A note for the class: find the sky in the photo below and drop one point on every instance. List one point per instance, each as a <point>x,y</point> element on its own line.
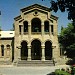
<point>11,8</point>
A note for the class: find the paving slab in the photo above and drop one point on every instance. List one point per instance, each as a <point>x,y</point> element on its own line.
<point>32,70</point>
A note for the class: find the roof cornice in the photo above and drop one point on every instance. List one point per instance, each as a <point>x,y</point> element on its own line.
<point>35,6</point>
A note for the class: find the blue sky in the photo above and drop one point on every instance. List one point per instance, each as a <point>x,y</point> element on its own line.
<point>11,8</point>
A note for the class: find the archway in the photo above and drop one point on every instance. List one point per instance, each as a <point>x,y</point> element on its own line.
<point>48,50</point>
<point>36,50</point>
<point>36,25</point>
<point>24,50</point>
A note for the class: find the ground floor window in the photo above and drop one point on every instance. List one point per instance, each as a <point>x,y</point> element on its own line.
<point>2,50</point>
<point>36,50</point>
<point>48,50</point>
<point>24,50</point>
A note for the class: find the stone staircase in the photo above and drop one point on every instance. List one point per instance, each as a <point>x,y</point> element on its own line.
<point>35,63</point>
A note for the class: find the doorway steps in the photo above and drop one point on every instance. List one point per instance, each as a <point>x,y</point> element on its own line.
<point>35,63</point>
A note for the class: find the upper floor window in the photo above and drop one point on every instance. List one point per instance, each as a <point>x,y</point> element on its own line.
<point>20,29</point>
<point>36,25</point>
<point>2,50</point>
<point>25,26</point>
<point>8,46</point>
<point>46,26</point>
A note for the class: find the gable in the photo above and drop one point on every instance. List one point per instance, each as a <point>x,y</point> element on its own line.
<point>31,10</point>
<point>35,6</point>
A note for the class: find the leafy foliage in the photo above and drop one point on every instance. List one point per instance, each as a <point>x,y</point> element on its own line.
<point>64,5</point>
<point>67,40</point>
<point>68,5</point>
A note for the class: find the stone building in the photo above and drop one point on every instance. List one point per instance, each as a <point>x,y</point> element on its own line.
<point>34,37</point>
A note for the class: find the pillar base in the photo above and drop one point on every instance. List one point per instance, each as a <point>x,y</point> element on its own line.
<point>19,58</point>
<point>29,59</point>
<point>43,58</point>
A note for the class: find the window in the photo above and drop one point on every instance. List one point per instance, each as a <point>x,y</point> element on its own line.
<point>35,12</point>
<point>46,26</point>
<point>20,29</point>
<point>25,26</point>
<point>36,25</point>
<point>2,50</point>
<point>52,29</point>
<point>8,46</point>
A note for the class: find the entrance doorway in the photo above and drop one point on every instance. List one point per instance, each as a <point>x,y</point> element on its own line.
<point>24,50</point>
<point>48,50</point>
<point>36,50</point>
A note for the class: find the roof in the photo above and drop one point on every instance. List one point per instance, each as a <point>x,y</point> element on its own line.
<point>7,34</point>
<point>35,6</point>
<point>54,17</point>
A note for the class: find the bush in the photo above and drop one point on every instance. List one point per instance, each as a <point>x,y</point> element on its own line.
<point>61,72</point>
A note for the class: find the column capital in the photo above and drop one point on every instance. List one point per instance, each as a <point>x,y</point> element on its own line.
<point>42,23</point>
<point>19,47</point>
<point>42,46</point>
<point>51,24</point>
<point>53,47</point>
<point>29,46</point>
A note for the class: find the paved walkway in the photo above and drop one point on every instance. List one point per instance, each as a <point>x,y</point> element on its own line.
<point>13,70</point>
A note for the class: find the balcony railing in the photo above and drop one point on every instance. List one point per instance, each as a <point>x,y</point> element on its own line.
<point>35,33</point>
<point>25,33</point>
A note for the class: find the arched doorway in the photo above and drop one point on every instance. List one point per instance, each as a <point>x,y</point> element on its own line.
<point>36,50</point>
<point>36,25</point>
<point>24,50</point>
<point>48,50</point>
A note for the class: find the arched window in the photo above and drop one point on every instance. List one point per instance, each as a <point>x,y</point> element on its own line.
<point>8,46</point>
<point>48,50</point>
<point>24,50</point>
<point>36,25</point>
<point>46,26</point>
<point>2,50</point>
<point>25,26</point>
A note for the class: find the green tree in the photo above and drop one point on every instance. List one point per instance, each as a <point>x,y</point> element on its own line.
<point>67,40</point>
<point>64,5</point>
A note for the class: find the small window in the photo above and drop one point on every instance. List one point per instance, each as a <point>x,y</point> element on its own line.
<point>46,26</point>
<point>25,26</point>
<point>20,29</point>
<point>8,46</point>
<point>52,29</point>
<point>2,50</point>
<point>35,12</point>
<point>11,33</point>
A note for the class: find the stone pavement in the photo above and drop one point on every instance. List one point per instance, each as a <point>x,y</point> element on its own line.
<point>32,70</point>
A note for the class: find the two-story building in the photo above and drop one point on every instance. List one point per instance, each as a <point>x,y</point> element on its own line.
<point>34,38</point>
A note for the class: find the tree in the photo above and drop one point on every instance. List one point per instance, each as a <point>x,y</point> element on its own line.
<point>65,5</point>
<point>67,40</point>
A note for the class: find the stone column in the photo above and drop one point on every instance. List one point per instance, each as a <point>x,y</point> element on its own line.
<point>42,29</point>
<point>29,30</point>
<point>43,53</point>
<point>54,55</point>
<point>19,52</point>
<point>29,53</point>
<point>0,51</point>
<point>10,53</point>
